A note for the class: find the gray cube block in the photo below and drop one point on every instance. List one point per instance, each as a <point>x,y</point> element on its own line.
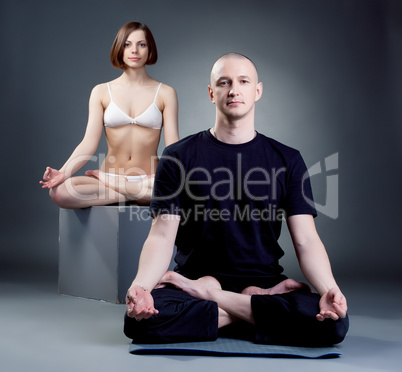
<point>99,249</point>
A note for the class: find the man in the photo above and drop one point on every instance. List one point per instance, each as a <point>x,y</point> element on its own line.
<point>220,196</point>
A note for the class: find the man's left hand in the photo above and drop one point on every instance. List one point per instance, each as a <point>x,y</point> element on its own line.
<point>332,305</point>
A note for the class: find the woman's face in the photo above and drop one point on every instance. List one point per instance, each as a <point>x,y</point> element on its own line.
<point>136,51</point>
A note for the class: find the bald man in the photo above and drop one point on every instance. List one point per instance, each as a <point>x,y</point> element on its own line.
<point>221,196</point>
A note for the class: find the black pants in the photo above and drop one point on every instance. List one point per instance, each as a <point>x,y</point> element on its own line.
<point>286,319</point>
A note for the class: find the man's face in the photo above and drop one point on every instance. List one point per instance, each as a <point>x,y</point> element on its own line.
<point>234,87</point>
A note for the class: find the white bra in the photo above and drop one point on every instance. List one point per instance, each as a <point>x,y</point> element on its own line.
<point>114,116</point>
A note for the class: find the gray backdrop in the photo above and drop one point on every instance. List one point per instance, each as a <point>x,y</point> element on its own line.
<point>332,85</point>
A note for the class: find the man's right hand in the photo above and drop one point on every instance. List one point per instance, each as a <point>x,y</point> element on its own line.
<point>139,303</point>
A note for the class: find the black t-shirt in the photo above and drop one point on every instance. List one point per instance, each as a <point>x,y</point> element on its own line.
<point>232,200</point>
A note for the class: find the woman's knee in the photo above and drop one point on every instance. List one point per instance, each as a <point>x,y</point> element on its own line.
<point>76,192</point>
<point>57,196</point>
<point>61,197</point>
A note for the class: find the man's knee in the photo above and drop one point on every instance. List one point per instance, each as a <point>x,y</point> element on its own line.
<point>181,318</point>
<point>291,319</point>
<point>339,330</point>
<point>130,326</point>
<point>140,331</point>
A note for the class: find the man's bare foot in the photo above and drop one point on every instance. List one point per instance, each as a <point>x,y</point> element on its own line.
<point>196,288</point>
<point>288,285</point>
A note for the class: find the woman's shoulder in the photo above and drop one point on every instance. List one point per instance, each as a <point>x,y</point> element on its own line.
<point>99,93</point>
<point>103,87</point>
<point>163,85</point>
<point>100,88</point>
<point>166,91</point>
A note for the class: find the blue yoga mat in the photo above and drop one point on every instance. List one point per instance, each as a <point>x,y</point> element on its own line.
<point>233,347</point>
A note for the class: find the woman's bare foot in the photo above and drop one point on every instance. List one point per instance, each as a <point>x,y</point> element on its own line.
<point>196,288</point>
<point>288,285</point>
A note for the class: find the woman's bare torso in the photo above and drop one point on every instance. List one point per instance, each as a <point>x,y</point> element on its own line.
<point>132,148</point>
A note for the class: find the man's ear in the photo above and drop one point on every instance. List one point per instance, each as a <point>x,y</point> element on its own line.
<point>258,92</point>
<point>211,94</point>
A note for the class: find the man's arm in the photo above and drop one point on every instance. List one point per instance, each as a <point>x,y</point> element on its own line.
<point>154,261</point>
<point>315,265</point>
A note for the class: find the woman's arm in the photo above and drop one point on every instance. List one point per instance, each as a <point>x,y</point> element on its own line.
<point>170,114</point>
<point>87,146</point>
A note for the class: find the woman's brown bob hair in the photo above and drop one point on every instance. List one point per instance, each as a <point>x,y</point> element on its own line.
<point>116,54</point>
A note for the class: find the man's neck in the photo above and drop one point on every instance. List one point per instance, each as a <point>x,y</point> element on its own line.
<point>234,132</point>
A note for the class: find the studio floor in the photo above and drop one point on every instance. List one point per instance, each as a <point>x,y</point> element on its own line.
<point>41,330</point>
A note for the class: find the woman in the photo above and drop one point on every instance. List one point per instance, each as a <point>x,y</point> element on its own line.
<point>131,109</point>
